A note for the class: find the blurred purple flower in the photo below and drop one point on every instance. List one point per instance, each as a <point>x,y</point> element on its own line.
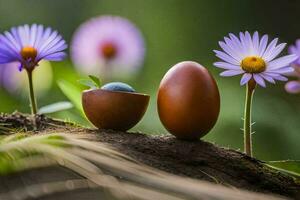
<point>30,44</point>
<point>6,81</point>
<point>107,46</point>
<point>295,49</point>
<point>16,84</point>
<point>294,86</point>
<point>254,58</point>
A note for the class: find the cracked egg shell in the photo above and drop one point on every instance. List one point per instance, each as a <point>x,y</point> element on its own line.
<point>115,110</point>
<point>188,101</point>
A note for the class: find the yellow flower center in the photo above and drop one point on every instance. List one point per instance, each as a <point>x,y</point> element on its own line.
<point>28,53</point>
<point>253,64</point>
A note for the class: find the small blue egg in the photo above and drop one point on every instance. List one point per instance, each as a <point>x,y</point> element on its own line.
<point>118,86</point>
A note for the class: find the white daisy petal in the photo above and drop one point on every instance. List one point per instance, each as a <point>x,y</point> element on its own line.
<point>234,47</point>
<point>272,74</point>
<point>225,65</point>
<point>263,45</point>
<point>226,57</point>
<point>229,51</point>
<point>284,70</point>
<point>23,32</point>
<point>39,34</point>
<point>237,43</point>
<point>249,43</point>
<point>231,72</point>
<point>259,80</point>
<point>247,37</point>
<point>244,43</point>
<point>270,48</point>
<point>280,78</point>
<point>276,76</point>
<point>281,62</point>
<point>32,37</point>
<point>268,78</point>
<point>255,42</point>
<point>13,41</point>
<point>278,49</point>
<point>245,78</point>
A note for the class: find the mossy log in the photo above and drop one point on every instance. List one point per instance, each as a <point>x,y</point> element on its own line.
<point>198,160</point>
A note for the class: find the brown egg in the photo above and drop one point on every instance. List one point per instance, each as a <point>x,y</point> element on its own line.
<point>188,101</point>
<point>114,109</point>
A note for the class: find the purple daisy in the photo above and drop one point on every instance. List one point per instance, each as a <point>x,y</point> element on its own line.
<point>254,58</point>
<point>28,45</point>
<point>108,46</point>
<point>294,86</point>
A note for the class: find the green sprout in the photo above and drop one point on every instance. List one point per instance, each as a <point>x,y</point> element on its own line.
<point>93,82</point>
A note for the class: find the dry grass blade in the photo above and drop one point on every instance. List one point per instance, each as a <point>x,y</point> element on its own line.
<point>100,164</point>
<point>101,149</point>
<point>32,162</point>
<point>169,184</point>
<point>67,159</point>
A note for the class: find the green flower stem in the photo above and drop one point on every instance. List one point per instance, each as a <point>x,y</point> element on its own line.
<point>31,93</point>
<point>247,118</point>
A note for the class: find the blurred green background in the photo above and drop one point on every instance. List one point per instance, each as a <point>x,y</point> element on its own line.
<point>177,30</point>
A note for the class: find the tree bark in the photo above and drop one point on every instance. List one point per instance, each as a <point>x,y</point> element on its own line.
<point>198,160</point>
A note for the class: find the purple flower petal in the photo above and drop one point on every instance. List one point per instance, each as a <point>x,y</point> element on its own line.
<point>236,43</point>
<point>225,65</point>
<point>263,45</point>
<point>278,49</point>
<point>46,42</point>
<point>295,49</point>
<point>281,62</point>
<point>57,46</point>
<point>280,78</point>
<point>283,70</point>
<point>39,35</point>
<point>58,56</point>
<point>235,48</point>
<point>226,57</point>
<point>12,41</point>
<point>245,78</point>
<point>6,45</point>
<point>255,41</point>
<point>292,87</point>
<point>267,77</point>
<point>230,51</point>
<point>270,48</point>
<point>32,36</point>
<point>249,42</point>
<point>231,72</point>
<point>24,35</point>
<point>244,43</point>
<point>259,80</point>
